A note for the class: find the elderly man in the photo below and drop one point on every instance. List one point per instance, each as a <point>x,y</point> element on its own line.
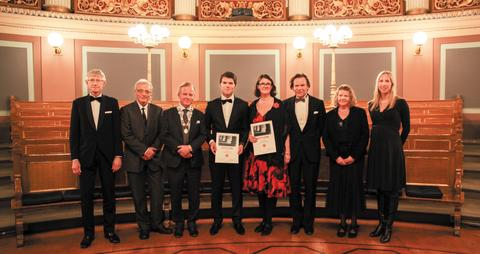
<point>183,133</point>
<point>96,145</point>
<point>141,125</point>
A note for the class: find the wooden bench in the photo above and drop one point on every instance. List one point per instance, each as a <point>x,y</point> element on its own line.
<point>42,166</point>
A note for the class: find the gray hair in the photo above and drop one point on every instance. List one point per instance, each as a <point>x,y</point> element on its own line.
<point>96,72</point>
<point>143,81</point>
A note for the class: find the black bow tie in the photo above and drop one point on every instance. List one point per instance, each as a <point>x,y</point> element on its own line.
<point>99,99</point>
<point>227,100</point>
<point>299,100</point>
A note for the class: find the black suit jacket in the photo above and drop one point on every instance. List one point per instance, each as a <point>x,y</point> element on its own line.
<point>172,137</point>
<point>85,139</point>
<point>357,136</point>
<point>307,140</point>
<point>138,138</point>
<point>215,121</point>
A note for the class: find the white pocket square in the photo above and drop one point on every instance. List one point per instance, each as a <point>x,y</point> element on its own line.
<point>108,112</point>
<point>315,112</point>
<point>198,122</point>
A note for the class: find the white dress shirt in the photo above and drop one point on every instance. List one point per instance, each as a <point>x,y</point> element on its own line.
<point>301,111</point>
<point>95,110</point>
<point>145,108</point>
<point>227,109</point>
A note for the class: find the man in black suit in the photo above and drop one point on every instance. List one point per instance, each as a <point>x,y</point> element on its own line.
<point>308,118</point>
<point>96,145</point>
<point>141,125</point>
<point>226,114</point>
<point>183,133</point>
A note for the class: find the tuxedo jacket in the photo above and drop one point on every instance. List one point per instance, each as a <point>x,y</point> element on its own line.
<point>85,139</point>
<point>215,121</point>
<point>308,139</point>
<point>138,137</point>
<point>172,137</point>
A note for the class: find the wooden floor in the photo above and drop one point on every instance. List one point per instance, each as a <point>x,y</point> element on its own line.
<point>407,238</point>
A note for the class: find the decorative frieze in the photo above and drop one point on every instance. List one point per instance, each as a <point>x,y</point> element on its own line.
<point>126,8</point>
<point>450,5</point>
<point>327,9</point>
<point>30,4</point>
<point>216,10</point>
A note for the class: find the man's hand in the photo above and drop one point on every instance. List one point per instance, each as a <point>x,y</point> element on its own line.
<point>117,164</point>
<point>185,151</point>
<point>286,158</point>
<point>240,149</point>
<point>149,153</point>
<point>76,167</point>
<point>213,147</point>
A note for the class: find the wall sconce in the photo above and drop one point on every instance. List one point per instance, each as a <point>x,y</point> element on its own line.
<point>299,44</point>
<point>56,41</point>
<point>419,38</point>
<point>185,43</point>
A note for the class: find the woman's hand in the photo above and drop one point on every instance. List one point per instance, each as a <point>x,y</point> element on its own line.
<point>251,138</point>
<point>340,161</point>
<point>286,158</point>
<point>349,160</point>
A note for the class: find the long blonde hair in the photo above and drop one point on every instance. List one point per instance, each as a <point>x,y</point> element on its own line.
<point>392,97</point>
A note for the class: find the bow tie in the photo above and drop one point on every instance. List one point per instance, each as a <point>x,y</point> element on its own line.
<point>99,99</point>
<point>299,100</point>
<point>227,100</point>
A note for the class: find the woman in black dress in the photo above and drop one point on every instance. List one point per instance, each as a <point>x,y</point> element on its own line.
<point>266,175</point>
<point>346,138</point>
<point>386,160</point>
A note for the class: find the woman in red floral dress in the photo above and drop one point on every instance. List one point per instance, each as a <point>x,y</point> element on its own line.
<point>266,175</point>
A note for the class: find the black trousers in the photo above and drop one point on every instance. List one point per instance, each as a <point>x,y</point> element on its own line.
<point>176,179</point>
<point>301,169</point>
<point>234,172</point>
<point>138,183</point>
<point>87,188</point>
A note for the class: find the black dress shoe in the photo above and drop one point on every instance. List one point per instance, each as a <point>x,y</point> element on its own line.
<point>144,235</point>
<point>378,231</point>
<point>112,237</point>
<point>308,230</point>
<point>342,230</point>
<point>387,235</point>
<point>267,229</point>
<point>353,231</point>
<point>295,229</point>
<point>260,227</point>
<point>216,226</point>
<point>86,241</point>
<point>178,232</point>
<point>192,229</point>
<point>162,230</point>
<point>239,228</point>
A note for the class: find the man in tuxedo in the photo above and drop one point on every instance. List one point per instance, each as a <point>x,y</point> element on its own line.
<point>307,115</point>
<point>183,133</point>
<point>229,114</point>
<point>96,145</point>
<point>141,125</point>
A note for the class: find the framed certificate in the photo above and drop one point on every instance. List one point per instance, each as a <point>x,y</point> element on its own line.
<point>227,148</point>
<point>265,135</point>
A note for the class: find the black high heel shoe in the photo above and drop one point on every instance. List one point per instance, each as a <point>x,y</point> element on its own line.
<point>260,227</point>
<point>378,231</point>
<point>353,231</point>
<point>342,230</point>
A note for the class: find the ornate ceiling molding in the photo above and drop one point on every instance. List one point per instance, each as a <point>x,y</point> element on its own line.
<point>109,19</point>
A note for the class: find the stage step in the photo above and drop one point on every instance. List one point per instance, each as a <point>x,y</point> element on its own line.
<point>6,170</point>
<point>471,166</point>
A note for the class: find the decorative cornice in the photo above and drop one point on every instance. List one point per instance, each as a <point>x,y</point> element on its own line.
<point>170,22</point>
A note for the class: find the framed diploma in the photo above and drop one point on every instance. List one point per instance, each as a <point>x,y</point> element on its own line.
<point>227,148</point>
<point>265,135</point>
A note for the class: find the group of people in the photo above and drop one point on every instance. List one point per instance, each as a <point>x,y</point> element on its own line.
<point>171,140</point>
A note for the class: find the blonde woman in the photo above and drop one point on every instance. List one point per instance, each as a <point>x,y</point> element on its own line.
<point>386,160</point>
<point>346,138</point>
